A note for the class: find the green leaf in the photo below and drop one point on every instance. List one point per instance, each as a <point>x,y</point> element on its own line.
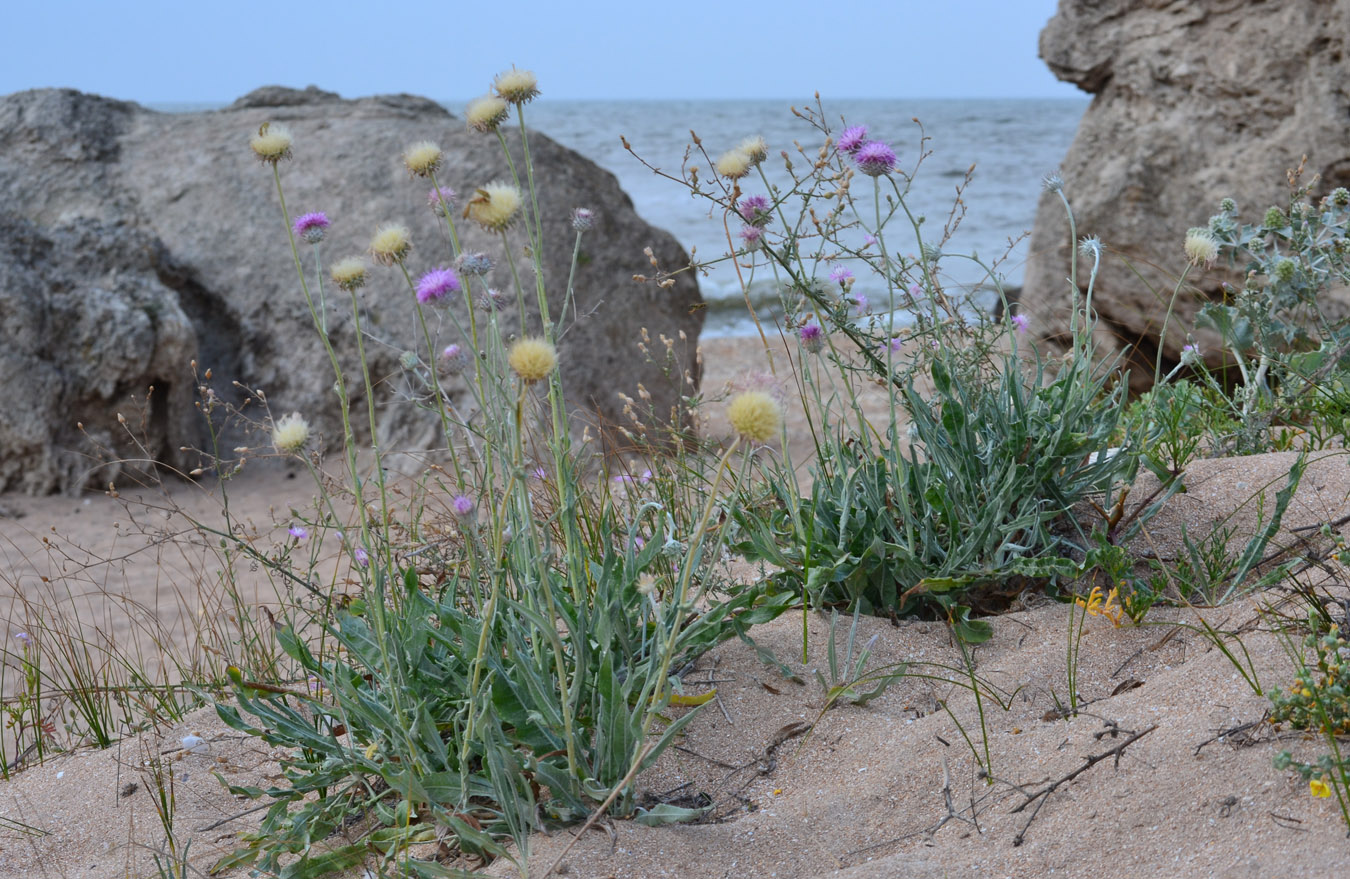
<point>665,813</point>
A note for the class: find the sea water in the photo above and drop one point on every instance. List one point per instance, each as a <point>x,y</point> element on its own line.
<point>1012,144</point>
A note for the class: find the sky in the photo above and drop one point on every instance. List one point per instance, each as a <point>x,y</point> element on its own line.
<point>212,51</point>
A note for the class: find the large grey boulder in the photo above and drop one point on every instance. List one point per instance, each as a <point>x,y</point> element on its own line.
<point>189,186</point>
<point>1194,102</point>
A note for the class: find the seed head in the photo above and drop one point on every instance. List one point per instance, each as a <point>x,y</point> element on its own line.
<point>486,113</point>
<point>1275,219</point>
<point>272,143</point>
<point>532,359</point>
<point>1228,206</point>
<point>1340,196</point>
<point>494,207</point>
<point>492,299</point>
<point>1052,182</point>
<point>290,433</point>
<point>734,164</point>
<point>755,148</point>
<point>422,159</point>
<point>1201,247</point>
<point>436,283</point>
<point>349,274</point>
<point>390,244</point>
<point>755,415</point>
<point>310,228</point>
<point>516,86</point>
<point>1285,270</point>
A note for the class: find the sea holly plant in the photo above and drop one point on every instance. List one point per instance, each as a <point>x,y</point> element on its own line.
<point>1276,332</point>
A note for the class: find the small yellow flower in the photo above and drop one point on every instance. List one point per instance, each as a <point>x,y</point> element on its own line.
<point>734,164</point>
<point>422,159</point>
<point>494,207</point>
<point>517,86</point>
<point>272,143</point>
<point>349,273</point>
<point>290,433</point>
<point>755,148</point>
<point>486,113</point>
<point>755,415</point>
<point>1319,788</point>
<point>390,244</point>
<point>532,359</point>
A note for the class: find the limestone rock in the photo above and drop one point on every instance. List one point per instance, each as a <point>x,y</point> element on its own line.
<point>1194,102</point>
<point>191,187</point>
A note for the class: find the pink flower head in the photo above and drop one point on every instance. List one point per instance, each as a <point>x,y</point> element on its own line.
<point>298,532</point>
<point>853,137</point>
<point>583,219</point>
<point>812,336</point>
<point>752,237</point>
<point>915,291</point>
<point>869,240</point>
<point>362,557</point>
<point>754,209</point>
<point>842,275</point>
<point>1019,322</point>
<point>462,506</point>
<point>540,473</point>
<point>454,359</point>
<point>440,198</point>
<point>310,227</point>
<point>859,301</point>
<point>895,344</point>
<point>436,283</point>
<point>875,159</point>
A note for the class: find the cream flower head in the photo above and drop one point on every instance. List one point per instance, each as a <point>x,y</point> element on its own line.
<point>290,433</point>
<point>532,359</point>
<point>517,86</point>
<point>349,273</point>
<point>755,148</point>
<point>390,244</point>
<point>494,206</point>
<point>272,143</point>
<point>486,113</point>
<point>734,164</point>
<point>755,415</point>
<point>422,159</point>
<point>1201,247</point>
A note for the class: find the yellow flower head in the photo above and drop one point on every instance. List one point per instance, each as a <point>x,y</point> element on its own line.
<point>494,207</point>
<point>734,164</point>
<point>517,86</point>
<point>349,273</point>
<point>755,148</point>
<point>1319,788</point>
<point>1201,247</point>
<point>532,359</point>
<point>290,433</point>
<point>391,243</point>
<point>422,159</point>
<point>272,143</point>
<point>486,113</point>
<point>755,415</point>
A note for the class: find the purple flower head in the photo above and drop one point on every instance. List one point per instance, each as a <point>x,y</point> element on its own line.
<point>915,291</point>
<point>842,275</point>
<point>754,209</point>
<point>310,228</point>
<point>895,344</point>
<point>436,283</point>
<point>875,159</point>
<point>646,476</point>
<point>540,473</point>
<point>752,237</point>
<point>869,240</point>
<point>476,263</point>
<point>638,542</point>
<point>583,219</point>
<point>859,301</point>
<point>853,137</point>
<point>462,506</point>
<point>298,532</point>
<point>24,638</point>
<point>362,557</point>
<point>812,336</point>
<point>1019,322</point>
<point>440,198</point>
